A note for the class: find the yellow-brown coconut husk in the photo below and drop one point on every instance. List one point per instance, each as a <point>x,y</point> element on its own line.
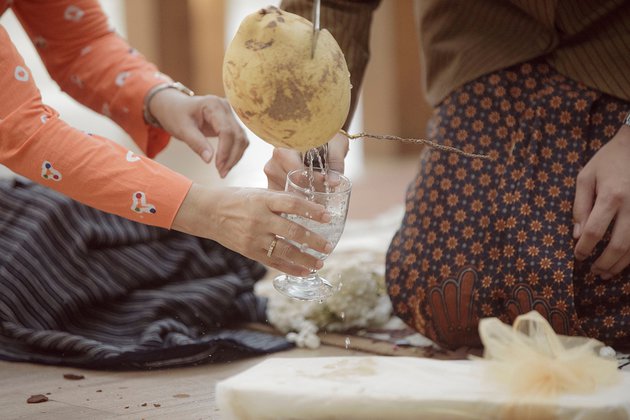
<point>279,92</point>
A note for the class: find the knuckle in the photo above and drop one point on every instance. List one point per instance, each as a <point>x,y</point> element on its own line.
<point>292,205</point>
<point>592,233</point>
<point>243,138</point>
<point>268,169</point>
<point>293,231</point>
<point>277,153</point>
<point>283,251</point>
<point>581,250</point>
<point>582,177</point>
<point>210,102</point>
<point>617,247</point>
<point>227,130</point>
<point>252,224</point>
<point>614,196</point>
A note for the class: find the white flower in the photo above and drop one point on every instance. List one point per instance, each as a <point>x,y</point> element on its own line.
<point>359,301</point>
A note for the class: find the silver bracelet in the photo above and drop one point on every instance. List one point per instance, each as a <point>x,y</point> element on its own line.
<point>148,117</point>
<point>626,121</point>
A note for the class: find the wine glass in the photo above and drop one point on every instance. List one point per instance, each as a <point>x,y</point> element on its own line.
<point>332,190</point>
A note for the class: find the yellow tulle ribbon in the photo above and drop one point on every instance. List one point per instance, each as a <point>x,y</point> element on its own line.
<point>531,359</point>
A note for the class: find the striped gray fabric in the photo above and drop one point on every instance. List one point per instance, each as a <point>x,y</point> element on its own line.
<point>84,288</point>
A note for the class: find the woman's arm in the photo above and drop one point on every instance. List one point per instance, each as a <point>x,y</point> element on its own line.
<point>35,143</point>
<point>93,64</point>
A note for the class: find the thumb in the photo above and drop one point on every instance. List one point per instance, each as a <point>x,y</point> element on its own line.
<point>336,163</point>
<point>583,203</point>
<point>337,151</point>
<point>198,143</point>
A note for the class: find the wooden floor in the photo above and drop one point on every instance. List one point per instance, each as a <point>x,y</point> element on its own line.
<point>183,393</point>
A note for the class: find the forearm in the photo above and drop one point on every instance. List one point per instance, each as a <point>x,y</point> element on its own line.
<point>93,64</point>
<point>90,169</point>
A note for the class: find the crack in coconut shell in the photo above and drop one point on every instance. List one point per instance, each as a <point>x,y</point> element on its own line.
<point>250,44</point>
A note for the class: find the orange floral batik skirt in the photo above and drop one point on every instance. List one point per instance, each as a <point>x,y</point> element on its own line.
<point>493,238</point>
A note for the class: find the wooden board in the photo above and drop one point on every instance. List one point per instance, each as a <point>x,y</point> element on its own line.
<point>363,343</point>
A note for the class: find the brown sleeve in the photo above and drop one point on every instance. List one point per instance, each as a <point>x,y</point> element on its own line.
<point>349,23</point>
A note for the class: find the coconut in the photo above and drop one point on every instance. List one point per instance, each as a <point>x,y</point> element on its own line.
<point>281,93</point>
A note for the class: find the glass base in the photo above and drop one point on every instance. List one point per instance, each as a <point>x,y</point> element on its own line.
<point>312,287</point>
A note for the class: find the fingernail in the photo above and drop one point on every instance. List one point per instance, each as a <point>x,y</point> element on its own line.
<point>579,257</point>
<point>319,264</point>
<point>206,156</point>
<point>326,217</point>
<point>576,230</point>
<point>328,248</point>
<point>605,276</point>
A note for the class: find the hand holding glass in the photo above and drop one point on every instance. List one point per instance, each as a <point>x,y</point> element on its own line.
<point>333,192</point>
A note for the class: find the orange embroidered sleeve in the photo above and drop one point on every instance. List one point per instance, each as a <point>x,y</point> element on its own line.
<point>93,64</point>
<point>35,143</point>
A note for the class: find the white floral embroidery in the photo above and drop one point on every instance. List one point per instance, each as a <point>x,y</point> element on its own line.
<point>40,42</point>
<point>21,74</point>
<point>50,173</point>
<point>131,157</point>
<point>73,13</point>
<point>76,80</point>
<point>105,110</point>
<point>139,204</point>
<point>120,79</point>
